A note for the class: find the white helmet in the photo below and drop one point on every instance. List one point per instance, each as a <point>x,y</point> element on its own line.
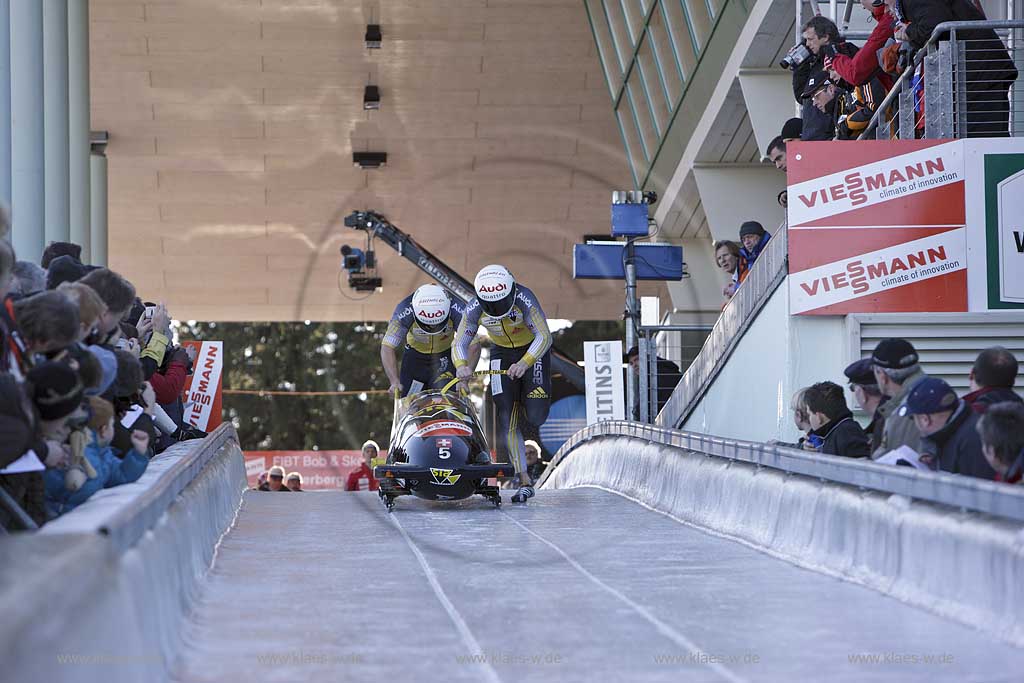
<point>431,306</point>
<point>496,290</point>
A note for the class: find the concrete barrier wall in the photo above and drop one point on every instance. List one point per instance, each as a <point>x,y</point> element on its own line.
<point>77,608</point>
<point>964,566</point>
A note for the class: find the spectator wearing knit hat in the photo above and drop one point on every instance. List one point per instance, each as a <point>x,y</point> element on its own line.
<point>753,237</point>
<point>948,427</point>
<point>294,481</point>
<point>1001,428</point>
<point>897,371</point>
<point>64,269</point>
<point>868,396</point>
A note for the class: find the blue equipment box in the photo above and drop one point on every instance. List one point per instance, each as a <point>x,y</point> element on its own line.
<point>604,261</point>
<point>630,220</point>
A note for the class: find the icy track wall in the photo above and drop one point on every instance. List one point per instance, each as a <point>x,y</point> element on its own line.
<point>81,607</point>
<point>962,565</point>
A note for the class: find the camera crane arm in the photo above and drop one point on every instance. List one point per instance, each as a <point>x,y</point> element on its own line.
<point>379,227</point>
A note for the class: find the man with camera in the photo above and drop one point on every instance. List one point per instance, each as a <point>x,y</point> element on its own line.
<point>821,39</point>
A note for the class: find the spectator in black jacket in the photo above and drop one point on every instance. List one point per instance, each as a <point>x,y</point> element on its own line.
<point>833,423</point>
<point>821,36</point>
<point>992,379</point>
<point>1002,440</point>
<point>949,436</point>
<point>989,69</point>
<point>668,378</point>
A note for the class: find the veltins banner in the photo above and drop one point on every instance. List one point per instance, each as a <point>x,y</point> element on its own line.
<point>877,226</point>
<point>606,398</point>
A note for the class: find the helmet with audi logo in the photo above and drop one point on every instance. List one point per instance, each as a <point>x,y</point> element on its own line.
<point>431,306</point>
<point>496,290</point>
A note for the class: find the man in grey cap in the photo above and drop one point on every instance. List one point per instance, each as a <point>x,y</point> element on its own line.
<point>897,371</point>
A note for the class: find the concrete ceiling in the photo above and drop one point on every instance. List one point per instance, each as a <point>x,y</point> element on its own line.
<point>233,123</point>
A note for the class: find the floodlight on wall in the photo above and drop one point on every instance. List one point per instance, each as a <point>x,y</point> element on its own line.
<point>373,36</point>
<point>371,97</point>
<point>368,160</point>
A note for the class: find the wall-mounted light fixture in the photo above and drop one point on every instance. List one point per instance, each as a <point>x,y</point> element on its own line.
<point>367,160</point>
<point>371,97</point>
<point>373,36</point>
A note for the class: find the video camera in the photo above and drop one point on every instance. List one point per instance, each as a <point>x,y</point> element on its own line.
<point>796,56</point>
<point>361,264</point>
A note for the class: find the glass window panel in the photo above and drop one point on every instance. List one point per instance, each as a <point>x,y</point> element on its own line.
<point>605,47</point>
<point>620,32</point>
<point>634,18</point>
<point>682,37</point>
<point>654,87</point>
<point>631,136</point>
<point>661,45</point>
<point>644,116</point>
<point>700,22</point>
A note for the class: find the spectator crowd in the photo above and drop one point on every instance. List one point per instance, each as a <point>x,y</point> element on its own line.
<point>918,420</point>
<point>90,381</point>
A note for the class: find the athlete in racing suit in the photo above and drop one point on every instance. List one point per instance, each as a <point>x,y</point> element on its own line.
<point>516,324</point>
<point>426,322</point>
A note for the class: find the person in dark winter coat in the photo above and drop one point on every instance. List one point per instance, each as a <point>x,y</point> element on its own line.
<point>948,427</point>
<point>989,69</point>
<point>868,396</point>
<point>668,378</point>
<point>992,379</point>
<point>833,423</point>
<point>754,238</point>
<point>1002,440</point>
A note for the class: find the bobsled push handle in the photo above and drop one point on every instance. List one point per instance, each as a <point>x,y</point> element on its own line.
<point>478,373</point>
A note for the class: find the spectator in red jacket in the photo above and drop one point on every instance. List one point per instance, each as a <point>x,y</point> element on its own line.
<point>362,479</point>
<point>863,66</point>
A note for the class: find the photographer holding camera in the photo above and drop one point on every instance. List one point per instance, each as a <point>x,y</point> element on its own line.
<point>821,39</point>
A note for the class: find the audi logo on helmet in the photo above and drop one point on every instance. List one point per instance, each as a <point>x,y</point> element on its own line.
<point>500,287</point>
<point>430,315</point>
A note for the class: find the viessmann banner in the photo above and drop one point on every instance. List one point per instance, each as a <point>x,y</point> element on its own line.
<point>877,227</point>
<point>906,226</point>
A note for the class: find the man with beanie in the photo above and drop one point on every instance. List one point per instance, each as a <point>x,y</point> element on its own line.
<point>897,371</point>
<point>64,269</point>
<point>294,482</point>
<point>792,129</point>
<point>754,238</point>
<point>109,470</point>
<point>275,480</point>
<point>948,427</point>
<point>868,396</point>
<point>33,417</point>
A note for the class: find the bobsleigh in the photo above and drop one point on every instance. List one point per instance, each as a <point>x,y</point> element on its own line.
<point>437,452</point>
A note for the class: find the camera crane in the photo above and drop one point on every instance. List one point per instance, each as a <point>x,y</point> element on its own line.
<point>376,226</point>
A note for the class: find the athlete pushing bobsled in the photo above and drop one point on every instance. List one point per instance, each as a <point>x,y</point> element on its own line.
<point>425,321</point>
<point>516,324</point>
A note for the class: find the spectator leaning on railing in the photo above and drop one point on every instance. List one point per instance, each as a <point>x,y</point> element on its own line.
<point>1002,440</point>
<point>833,429</point>
<point>897,371</point>
<point>727,256</point>
<point>992,379</point>
<point>949,438</point>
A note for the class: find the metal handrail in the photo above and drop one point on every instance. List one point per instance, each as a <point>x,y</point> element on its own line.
<point>128,525</point>
<point>939,30</point>
<point>767,273</point>
<point>954,490</point>
<point>16,511</point>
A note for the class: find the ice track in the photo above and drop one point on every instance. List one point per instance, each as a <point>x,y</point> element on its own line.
<point>579,585</point>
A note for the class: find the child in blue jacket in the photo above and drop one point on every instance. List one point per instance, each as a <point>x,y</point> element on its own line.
<point>66,490</point>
